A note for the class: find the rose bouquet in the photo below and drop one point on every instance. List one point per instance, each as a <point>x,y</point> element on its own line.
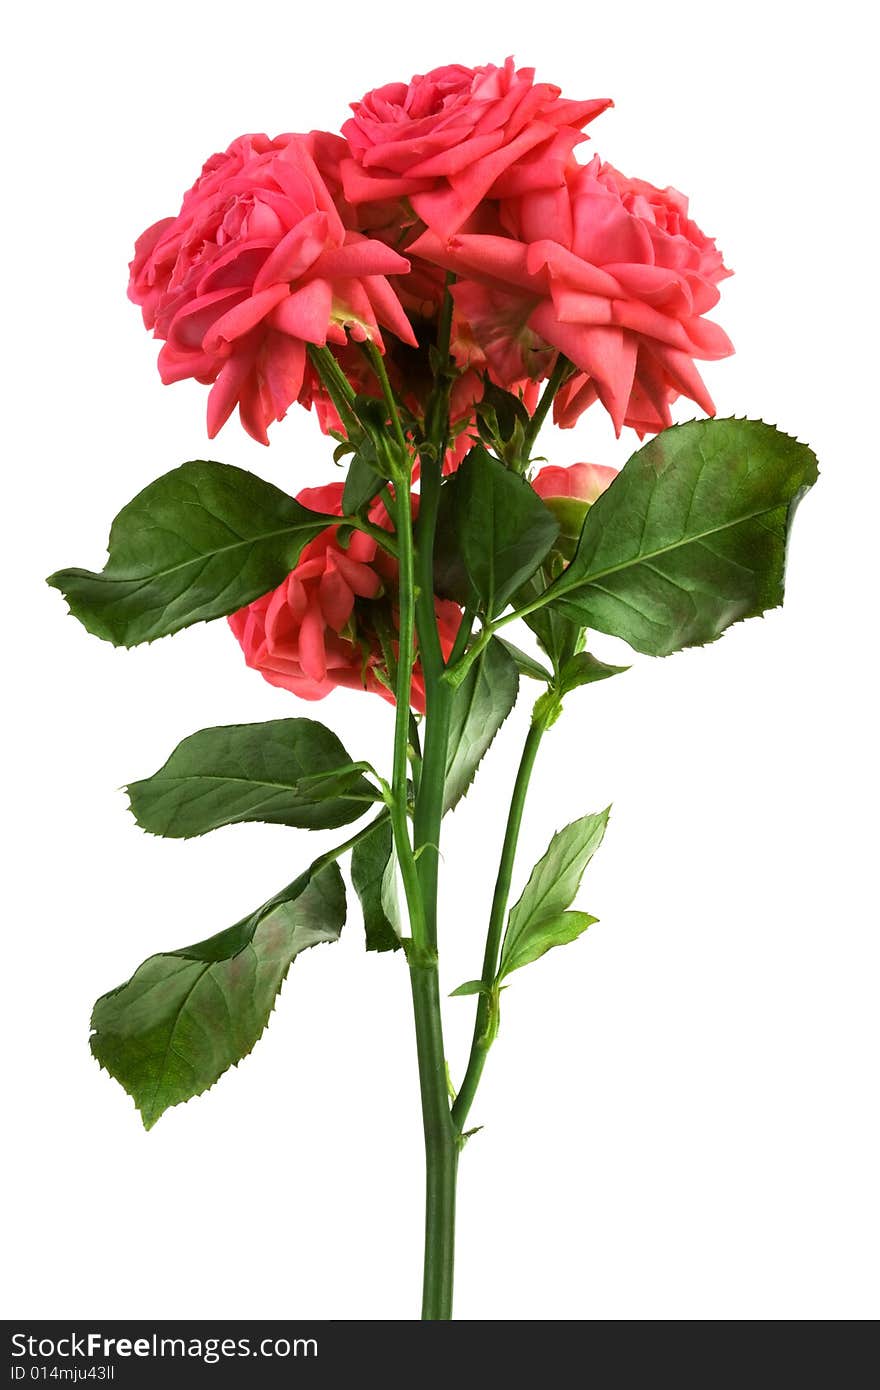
<point>433,282</point>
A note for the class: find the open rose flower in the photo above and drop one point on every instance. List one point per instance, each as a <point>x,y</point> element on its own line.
<point>457,135</point>
<point>310,636</point>
<point>256,265</point>
<point>612,273</point>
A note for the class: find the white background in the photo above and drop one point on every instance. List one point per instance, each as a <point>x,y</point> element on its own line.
<point>680,1113</point>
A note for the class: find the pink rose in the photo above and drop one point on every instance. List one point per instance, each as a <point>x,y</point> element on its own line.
<point>257,264</point>
<point>449,139</point>
<point>609,271</point>
<point>309,636</point>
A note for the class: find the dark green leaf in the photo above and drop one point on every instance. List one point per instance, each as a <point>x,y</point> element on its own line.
<point>186,1016</point>
<point>501,527</point>
<point>373,876</point>
<point>559,637</point>
<point>363,482</point>
<point>469,987</point>
<point>480,706</point>
<point>690,537</point>
<point>504,408</point>
<point>502,421</point>
<point>284,772</point>
<point>450,576</point>
<point>525,664</point>
<point>583,669</point>
<point>539,920</point>
<point>198,543</point>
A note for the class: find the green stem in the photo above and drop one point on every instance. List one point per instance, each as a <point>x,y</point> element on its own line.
<point>399,798</point>
<point>329,370</point>
<point>438,695</point>
<point>382,537</point>
<point>441,1148</point>
<point>441,1138</point>
<point>330,856</point>
<point>486,1024</point>
<point>378,364</point>
<point>338,388</point>
<point>560,371</point>
<point>441,1145</point>
<point>457,670</point>
<point>463,636</point>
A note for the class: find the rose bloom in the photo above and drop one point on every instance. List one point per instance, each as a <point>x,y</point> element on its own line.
<point>308,636</point>
<point>449,139</point>
<point>256,265</point>
<point>608,270</point>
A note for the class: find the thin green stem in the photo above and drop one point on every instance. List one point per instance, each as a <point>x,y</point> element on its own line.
<point>456,671</point>
<point>378,364</point>
<point>463,636</point>
<point>330,856</point>
<point>329,370</point>
<point>378,533</point>
<point>561,369</point>
<point>486,1023</point>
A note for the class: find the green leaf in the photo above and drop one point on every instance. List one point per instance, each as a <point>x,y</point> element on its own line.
<point>480,706</point>
<point>198,543</point>
<point>559,637</point>
<point>539,920</point>
<point>549,931</point>
<point>583,669</point>
<point>690,537</point>
<point>450,576</point>
<point>363,482</point>
<point>373,876</point>
<point>284,772</point>
<point>502,528</point>
<point>186,1016</point>
<point>503,408</point>
<point>525,664</point>
<point>469,987</point>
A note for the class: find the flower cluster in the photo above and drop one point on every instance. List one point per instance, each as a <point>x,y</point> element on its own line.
<point>287,247</point>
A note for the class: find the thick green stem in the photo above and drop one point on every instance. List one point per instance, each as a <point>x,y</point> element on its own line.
<point>441,1145</point>
<point>399,800</point>
<point>438,704</point>
<point>486,1024</point>
<point>441,1138</point>
<point>441,1150</point>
